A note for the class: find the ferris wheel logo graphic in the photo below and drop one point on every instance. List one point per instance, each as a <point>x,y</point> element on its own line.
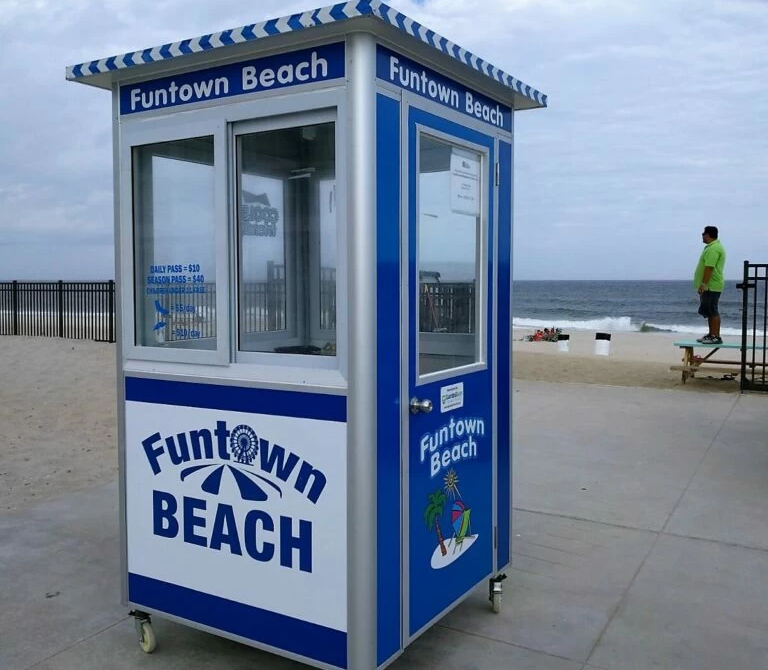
<point>244,444</point>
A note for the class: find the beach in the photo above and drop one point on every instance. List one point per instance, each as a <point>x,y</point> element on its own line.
<point>58,400</point>
<point>58,417</point>
<point>636,359</point>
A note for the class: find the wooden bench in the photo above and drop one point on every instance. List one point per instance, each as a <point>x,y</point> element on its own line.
<point>693,364</point>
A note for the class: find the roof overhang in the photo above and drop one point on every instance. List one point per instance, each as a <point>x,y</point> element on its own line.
<point>304,30</point>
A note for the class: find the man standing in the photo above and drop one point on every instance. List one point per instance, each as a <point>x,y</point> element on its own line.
<point>710,281</point>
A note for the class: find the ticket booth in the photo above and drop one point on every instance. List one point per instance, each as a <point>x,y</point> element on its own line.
<point>313,225</point>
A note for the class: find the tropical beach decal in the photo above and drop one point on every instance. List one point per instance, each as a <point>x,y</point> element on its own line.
<point>460,539</point>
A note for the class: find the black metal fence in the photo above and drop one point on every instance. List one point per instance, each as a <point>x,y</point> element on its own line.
<point>83,310</point>
<point>754,327</point>
<point>86,310</point>
<point>447,307</point>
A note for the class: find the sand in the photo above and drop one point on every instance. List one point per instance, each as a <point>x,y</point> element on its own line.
<point>58,407</point>
<point>57,417</point>
<point>636,359</point>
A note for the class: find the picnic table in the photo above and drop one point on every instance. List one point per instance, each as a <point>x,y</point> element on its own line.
<point>693,363</point>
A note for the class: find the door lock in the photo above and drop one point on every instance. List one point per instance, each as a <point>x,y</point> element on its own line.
<point>423,406</point>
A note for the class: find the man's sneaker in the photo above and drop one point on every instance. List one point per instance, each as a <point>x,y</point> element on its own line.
<point>711,339</point>
<point>705,339</point>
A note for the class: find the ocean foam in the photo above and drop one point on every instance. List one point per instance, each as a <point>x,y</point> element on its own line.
<point>621,324</point>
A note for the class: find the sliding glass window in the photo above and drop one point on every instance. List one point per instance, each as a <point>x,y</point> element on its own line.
<point>286,233</point>
<point>174,189</point>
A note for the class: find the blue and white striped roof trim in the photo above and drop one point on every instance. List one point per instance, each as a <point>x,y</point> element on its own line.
<point>310,19</point>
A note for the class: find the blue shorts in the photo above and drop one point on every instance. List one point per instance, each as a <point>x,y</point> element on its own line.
<point>709,304</point>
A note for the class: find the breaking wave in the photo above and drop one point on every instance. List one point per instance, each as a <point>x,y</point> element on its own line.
<point>620,324</point>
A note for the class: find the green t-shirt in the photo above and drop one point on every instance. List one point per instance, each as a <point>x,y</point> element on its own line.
<point>713,256</point>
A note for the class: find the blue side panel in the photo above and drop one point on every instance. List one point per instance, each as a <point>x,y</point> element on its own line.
<point>300,637</point>
<point>237,399</point>
<point>389,588</point>
<point>504,436</point>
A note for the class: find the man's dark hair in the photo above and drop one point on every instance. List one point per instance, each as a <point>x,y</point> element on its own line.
<point>711,231</point>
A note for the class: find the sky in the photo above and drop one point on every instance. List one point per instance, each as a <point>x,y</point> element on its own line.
<point>657,125</point>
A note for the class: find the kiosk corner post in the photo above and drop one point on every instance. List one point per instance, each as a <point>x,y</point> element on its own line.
<point>361,399</point>
<point>117,325</point>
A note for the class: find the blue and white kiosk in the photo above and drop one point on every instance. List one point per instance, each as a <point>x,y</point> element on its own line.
<point>313,223</point>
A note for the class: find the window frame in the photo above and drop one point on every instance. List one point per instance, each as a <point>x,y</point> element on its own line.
<point>269,369</point>
<point>316,263</point>
<point>158,131</point>
<point>332,114</point>
<point>481,264</point>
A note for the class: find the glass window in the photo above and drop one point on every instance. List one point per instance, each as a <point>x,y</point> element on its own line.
<point>450,216</point>
<point>174,229</point>
<point>287,240</point>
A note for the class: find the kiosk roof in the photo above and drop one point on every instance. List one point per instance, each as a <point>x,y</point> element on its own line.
<point>137,64</point>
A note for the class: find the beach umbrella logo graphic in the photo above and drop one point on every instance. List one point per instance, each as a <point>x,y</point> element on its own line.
<point>460,521</point>
<point>448,551</point>
<point>244,447</point>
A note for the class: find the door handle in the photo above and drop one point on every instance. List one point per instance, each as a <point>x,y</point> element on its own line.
<point>420,406</point>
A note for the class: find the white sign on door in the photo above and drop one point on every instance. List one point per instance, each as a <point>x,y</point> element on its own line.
<point>465,183</point>
<point>451,397</point>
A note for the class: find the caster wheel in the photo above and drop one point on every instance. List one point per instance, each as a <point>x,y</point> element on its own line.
<point>496,603</point>
<point>147,639</point>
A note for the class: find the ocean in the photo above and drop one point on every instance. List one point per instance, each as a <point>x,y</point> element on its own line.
<point>620,306</point>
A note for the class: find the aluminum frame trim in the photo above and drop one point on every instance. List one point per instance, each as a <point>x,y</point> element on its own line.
<point>169,130</point>
<point>272,111</point>
<point>290,119</point>
<point>245,374</point>
<point>389,231</point>
<point>320,102</point>
<point>284,120</point>
<point>361,404</point>
<point>481,256</point>
<point>119,353</point>
<point>511,358</point>
<point>404,370</point>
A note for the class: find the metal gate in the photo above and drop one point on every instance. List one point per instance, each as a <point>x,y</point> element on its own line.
<point>754,324</point>
<point>82,310</point>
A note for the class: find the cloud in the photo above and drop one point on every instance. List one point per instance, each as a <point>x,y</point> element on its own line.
<point>658,122</point>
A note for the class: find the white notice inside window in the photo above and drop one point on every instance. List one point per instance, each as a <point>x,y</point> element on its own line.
<point>465,183</point>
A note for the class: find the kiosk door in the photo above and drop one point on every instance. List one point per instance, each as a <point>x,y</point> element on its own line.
<point>449,440</point>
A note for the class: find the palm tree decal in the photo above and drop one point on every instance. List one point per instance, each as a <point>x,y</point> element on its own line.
<point>432,515</point>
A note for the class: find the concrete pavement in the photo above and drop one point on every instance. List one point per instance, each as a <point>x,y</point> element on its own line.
<point>641,541</point>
